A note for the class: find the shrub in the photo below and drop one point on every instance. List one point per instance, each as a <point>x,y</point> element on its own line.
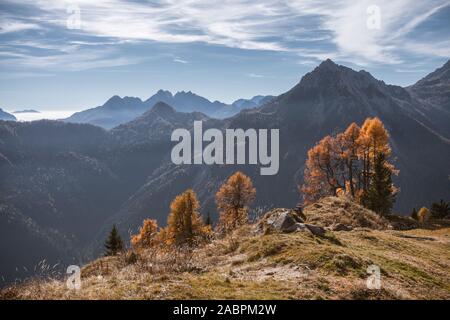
<point>423,215</point>
<point>440,209</point>
<point>147,236</point>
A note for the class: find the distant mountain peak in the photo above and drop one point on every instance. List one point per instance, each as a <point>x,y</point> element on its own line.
<point>166,93</point>
<point>185,93</point>
<point>118,102</point>
<point>328,64</point>
<point>327,69</point>
<point>329,74</point>
<point>162,108</point>
<point>113,99</point>
<point>26,111</point>
<point>131,98</point>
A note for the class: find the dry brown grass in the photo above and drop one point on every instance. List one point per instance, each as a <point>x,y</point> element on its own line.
<point>332,210</point>
<point>246,265</point>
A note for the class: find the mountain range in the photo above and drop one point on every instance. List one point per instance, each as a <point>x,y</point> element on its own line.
<point>26,111</point>
<point>64,184</point>
<point>6,116</point>
<point>119,110</point>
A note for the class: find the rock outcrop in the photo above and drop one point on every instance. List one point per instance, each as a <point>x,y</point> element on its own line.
<point>287,221</point>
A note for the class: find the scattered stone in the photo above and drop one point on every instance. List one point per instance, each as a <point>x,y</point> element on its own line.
<point>316,230</point>
<point>299,211</point>
<point>340,227</point>
<point>281,220</point>
<point>407,236</point>
<point>287,221</point>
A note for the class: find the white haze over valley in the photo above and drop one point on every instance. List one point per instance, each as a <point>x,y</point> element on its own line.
<point>49,115</point>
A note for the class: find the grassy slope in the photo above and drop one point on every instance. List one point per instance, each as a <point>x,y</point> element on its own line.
<point>274,266</point>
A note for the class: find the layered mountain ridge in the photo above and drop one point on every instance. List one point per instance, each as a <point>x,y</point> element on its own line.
<point>119,110</point>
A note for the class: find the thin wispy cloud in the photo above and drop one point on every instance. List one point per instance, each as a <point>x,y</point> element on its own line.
<point>65,58</point>
<point>227,40</point>
<point>9,26</point>
<point>179,60</point>
<point>267,25</point>
<point>254,75</point>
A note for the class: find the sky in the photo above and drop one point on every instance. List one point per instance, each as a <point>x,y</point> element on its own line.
<point>73,55</point>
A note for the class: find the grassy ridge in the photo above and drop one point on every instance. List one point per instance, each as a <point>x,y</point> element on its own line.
<point>414,265</point>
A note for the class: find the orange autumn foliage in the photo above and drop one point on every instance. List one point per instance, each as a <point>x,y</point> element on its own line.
<point>233,199</point>
<point>185,226</point>
<point>373,140</point>
<point>344,163</point>
<point>147,236</point>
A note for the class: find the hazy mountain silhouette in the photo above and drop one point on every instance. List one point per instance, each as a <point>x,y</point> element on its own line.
<point>254,102</point>
<point>119,110</point>
<point>6,116</point>
<point>26,111</point>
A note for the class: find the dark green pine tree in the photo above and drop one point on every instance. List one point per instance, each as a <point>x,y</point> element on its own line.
<point>414,214</point>
<point>114,243</point>
<point>380,196</point>
<point>208,221</point>
<point>440,210</point>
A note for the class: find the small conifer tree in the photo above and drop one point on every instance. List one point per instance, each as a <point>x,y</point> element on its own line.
<point>114,243</point>
<point>208,220</point>
<point>380,195</point>
<point>414,214</point>
<point>440,209</point>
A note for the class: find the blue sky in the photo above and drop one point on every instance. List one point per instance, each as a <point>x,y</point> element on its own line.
<point>51,58</point>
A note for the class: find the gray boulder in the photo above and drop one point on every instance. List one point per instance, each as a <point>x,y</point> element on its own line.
<point>281,220</point>
<point>287,221</point>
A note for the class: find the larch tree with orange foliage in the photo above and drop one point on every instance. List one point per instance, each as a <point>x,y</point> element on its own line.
<point>373,140</point>
<point>185,226</point>
<point>322,175</point>
<point>348,146</point>
<point>233,199</point>
<point>147,236</point>
<point>346,162</point>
